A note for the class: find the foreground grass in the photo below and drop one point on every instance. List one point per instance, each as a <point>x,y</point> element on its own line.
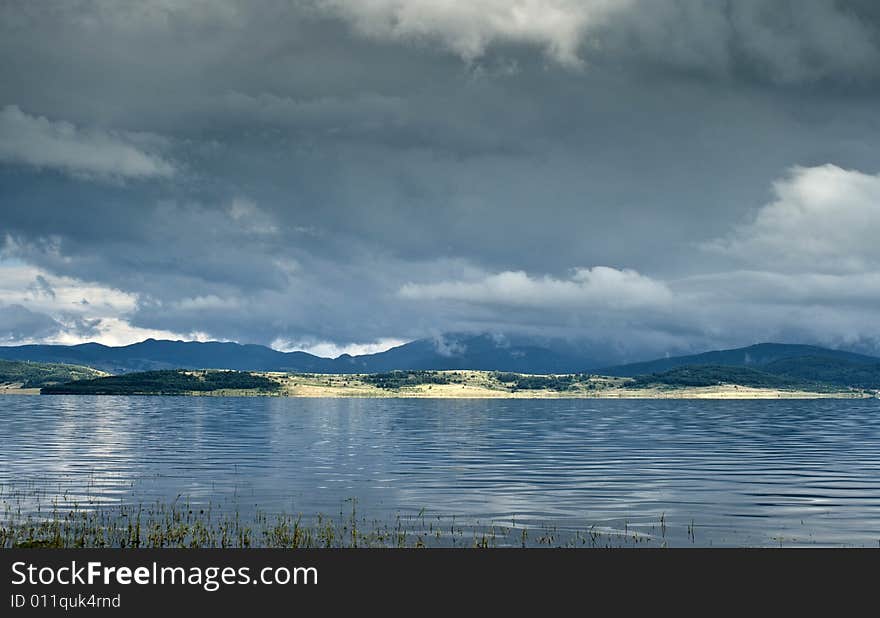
<point>178,524</point>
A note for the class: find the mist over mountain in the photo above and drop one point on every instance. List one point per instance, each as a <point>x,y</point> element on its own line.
<point>484,352</point>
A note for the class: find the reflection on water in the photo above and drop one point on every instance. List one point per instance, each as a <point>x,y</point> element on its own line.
<point>745,472</point>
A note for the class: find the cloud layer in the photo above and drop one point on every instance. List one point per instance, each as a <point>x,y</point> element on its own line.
<point>642,177</point>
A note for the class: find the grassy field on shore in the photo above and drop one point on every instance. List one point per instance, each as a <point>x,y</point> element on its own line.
<point>438,385</point>
<point>486,385</point>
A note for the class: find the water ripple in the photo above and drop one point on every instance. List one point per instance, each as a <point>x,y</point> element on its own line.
<point>742,471</point>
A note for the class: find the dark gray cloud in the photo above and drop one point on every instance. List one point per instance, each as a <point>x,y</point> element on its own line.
<point>19,324</point>
<point>653,176</point>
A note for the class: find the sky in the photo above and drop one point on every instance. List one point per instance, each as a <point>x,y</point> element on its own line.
<point>639,177</point>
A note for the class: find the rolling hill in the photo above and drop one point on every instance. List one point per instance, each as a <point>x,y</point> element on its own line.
<point>26,374</point>
<point>839,372</point>
<point>712,375</point>
<point>166,382</point>
<point>758,355</point>
<point>795,365</point>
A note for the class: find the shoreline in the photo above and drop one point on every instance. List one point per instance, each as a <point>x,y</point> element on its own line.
<point>473,384</point>
<point>450,384</point>
<point>710,393</point>
<point>11,390</point>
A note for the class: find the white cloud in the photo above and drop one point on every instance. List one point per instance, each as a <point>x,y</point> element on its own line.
<point>448,347</point>
<point>114,331</point>
<point>600,287</point>
<point>43,143</point>
<point>26,285</point>
<point>787,42</point>
<point>211,302</point>
<point>468,28</point>
<point>824,219</point>
<point>328,349</point>
<point>39,307</point>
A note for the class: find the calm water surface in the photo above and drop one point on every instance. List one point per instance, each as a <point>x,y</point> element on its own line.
<point>744,472</point>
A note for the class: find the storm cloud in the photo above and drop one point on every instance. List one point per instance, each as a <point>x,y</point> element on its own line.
<point>643,177</point>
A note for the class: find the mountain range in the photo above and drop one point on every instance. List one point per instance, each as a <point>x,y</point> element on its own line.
<point>793,362</point>
<point>448,352</point>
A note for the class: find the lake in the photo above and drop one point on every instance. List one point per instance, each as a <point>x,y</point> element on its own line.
<point>741,472</point>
